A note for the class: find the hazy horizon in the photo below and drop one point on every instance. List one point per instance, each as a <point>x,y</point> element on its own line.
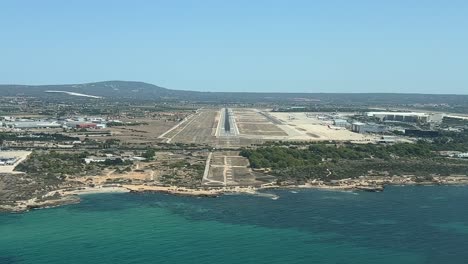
<point>266,46</point>
<point>285,92</point>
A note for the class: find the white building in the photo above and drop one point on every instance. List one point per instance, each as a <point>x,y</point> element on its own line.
<point>359,127</point>
<point>8,118</point>
<point>95,159</point>
<point>341,123</point>
<point>407,117</point>
<point>33,124</point>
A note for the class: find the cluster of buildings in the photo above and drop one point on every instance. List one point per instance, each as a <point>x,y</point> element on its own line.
<point>68,123</point>
<point>382,121</point>
<point>412,117</point>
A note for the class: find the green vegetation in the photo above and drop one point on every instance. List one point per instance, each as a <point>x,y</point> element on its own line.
<point>149,154</point>
<point>109,143</point>
<point>56,165</point>
<point>281,157</point>
<point>184,174</point>
<point>454,141</point>
<point>59,165</point>
<point>330,161</point>
<point>36,137</point>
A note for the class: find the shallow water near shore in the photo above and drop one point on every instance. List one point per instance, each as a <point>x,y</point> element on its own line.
<point>413,224</point>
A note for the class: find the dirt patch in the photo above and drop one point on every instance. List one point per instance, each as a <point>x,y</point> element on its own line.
<point>238,161</point>
<point>217,160</point>
<point>312,135</point>
<point>216,174</point>
<point>147,133</point>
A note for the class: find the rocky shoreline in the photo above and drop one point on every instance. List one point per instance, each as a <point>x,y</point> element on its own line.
<point>367,183</point>
<point>23,206</point>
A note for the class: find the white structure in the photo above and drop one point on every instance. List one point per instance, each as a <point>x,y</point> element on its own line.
<point>8,118</point>
<point>8,160</point>
<point>33,124</point>
<point>407,117</point>
<point>341,123</point>
<point>95,159</point>
<point>137,158</point>
<point>359,127</point>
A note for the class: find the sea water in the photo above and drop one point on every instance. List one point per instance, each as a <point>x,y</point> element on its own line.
<point>417,224</point>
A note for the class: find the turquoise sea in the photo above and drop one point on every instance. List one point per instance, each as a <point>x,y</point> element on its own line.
<point>401,225</point>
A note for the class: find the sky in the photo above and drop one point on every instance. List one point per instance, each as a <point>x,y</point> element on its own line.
<point>418,46</point>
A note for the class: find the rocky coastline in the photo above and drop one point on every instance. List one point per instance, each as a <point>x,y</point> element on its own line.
<point>366,183</point>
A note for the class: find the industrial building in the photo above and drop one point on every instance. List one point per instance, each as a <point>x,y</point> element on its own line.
<point>341,123</point>
<point>362,128</point>
<point>32,124</point>
<point>421,133</point>
<point>97,123</point>
<point>413,117</point>
<point>86,125</point>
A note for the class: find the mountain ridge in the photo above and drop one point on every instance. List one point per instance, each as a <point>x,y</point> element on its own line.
<point>145,91</point>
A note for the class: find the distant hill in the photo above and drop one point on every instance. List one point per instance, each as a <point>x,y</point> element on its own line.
<point>109,89</point>
<point>146,91</point>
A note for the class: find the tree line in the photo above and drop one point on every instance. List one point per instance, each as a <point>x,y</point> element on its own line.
<point>336,161</point>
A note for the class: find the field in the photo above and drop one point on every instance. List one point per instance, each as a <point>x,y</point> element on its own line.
<point>141,133</point>
<point>168,168</point>
<point>263,129</point>
<point>227,168</point>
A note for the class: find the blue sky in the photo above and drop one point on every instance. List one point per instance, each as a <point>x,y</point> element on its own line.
<point>264,46</point>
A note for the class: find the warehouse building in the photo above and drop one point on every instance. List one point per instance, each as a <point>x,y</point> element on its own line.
<point>413,117</point>
<point>341,123</point>
<point>362,128</point>
<point>86,125</point>
<point>32,124</point>
<point>421,133</point>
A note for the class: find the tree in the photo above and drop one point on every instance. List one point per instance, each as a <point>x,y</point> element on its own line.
<point>149,154</point>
